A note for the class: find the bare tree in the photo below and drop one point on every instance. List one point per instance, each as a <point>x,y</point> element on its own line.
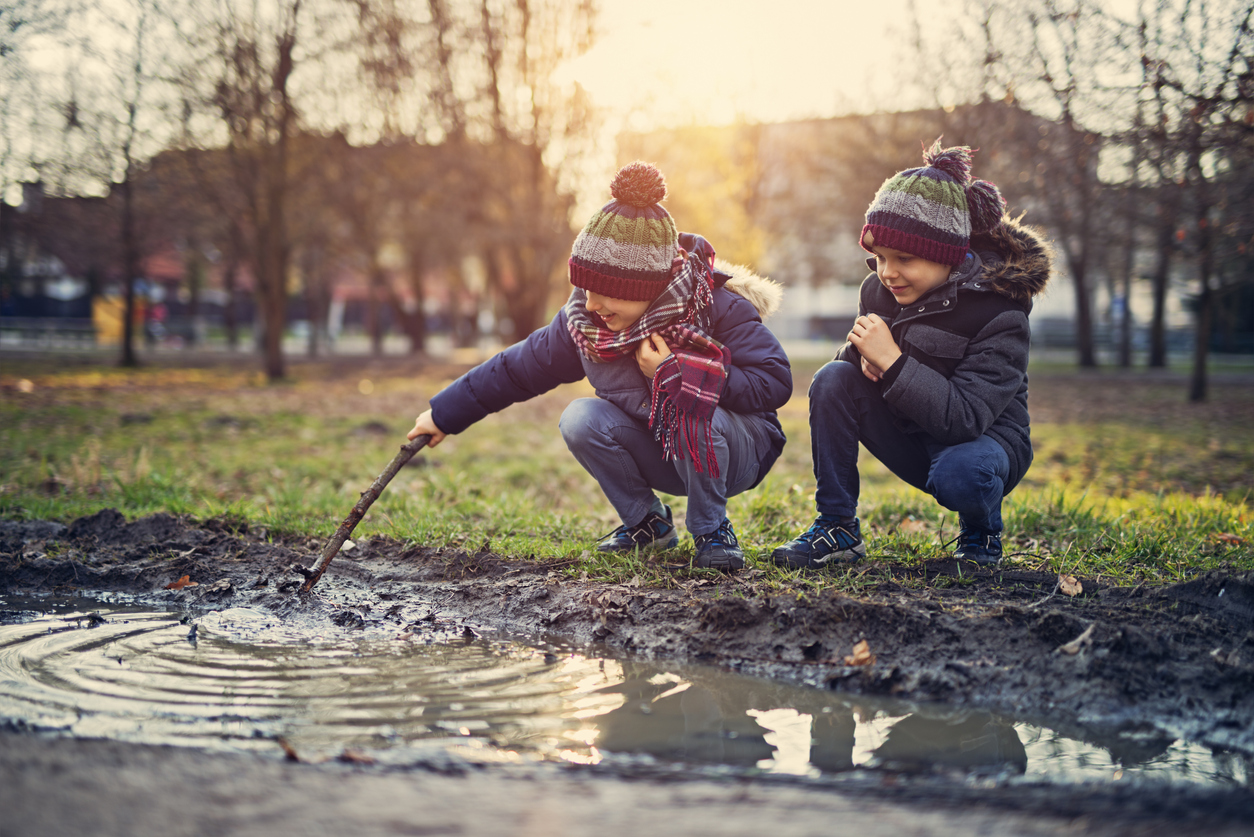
<point>242,69</point>
<point>1205,79</point>
<point>112,106</point>
<point>536,130</point>
<point>510,135</point>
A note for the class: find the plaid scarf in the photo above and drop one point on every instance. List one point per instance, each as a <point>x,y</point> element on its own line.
<point>687,386</point>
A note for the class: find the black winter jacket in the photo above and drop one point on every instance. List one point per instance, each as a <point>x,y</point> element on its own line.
<point>963,369</point>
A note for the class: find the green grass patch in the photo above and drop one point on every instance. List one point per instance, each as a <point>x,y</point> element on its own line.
<point>1129,486</point>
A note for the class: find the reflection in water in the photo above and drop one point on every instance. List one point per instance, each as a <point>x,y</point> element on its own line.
<point>239,681</point>
<point>718,717</point>
<point>970,741</point>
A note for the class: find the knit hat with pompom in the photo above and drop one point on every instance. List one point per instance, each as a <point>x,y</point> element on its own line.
<point>627,247</point>
<point>932,212</point>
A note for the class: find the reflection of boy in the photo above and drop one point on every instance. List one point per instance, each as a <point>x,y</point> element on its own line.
<point>933,380</point>
<point>688,377</point>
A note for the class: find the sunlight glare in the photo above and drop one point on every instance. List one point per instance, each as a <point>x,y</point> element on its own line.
<point>675,62</point>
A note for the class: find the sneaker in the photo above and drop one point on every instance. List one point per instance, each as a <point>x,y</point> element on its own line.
<point>984,548</point>
<point>822,544</point>
<point>654,532</point>
<point>719,550</point>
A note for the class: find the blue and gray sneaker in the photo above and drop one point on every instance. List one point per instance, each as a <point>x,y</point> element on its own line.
<point>654,532</point>
<point>984,548</point>
<point>719,550</point>
<point>824,543</point>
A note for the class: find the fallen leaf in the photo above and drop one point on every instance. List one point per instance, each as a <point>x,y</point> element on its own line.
<point>1069,585</point>
<point>861,655</point>
<point>1229,538</point>
<point>185,581</point>
<point>289,752</point>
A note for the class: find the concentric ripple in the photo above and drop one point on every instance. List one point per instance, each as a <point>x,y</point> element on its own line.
<point>238,679</point>
<point>150,677</point>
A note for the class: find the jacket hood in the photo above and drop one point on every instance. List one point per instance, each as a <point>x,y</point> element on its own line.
<point>764,294</point>
<point>1017,259</point>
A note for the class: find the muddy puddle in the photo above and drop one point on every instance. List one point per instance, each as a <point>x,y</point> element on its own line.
<point>239,679</point>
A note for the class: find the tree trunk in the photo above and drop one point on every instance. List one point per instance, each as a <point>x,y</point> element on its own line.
<point>374,312</point>
<point>1085,354</point>
<point>230,315</point>
<point>1162,274</point>
<point>1201,342</point>
<point>1129,267</point>
<point>130,265</point>
<point>195,279</point>
<point>416,323</point>
<point>1125,324</point>
<point>272,276</point>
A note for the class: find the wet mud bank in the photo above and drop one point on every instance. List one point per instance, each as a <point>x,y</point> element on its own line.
<point>1131,670</point>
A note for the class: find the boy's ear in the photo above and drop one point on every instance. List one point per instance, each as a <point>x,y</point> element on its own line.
<point>870,262</point>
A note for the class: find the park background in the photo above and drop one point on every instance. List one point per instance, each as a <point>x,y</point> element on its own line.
<point>241,245</point>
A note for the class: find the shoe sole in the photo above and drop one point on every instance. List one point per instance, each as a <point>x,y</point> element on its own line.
<point>852,555</point>
<point>981,562</point>
<point>726,564</point>
<point>655,546</point>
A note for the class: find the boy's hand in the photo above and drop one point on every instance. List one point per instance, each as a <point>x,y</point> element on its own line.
<point>871,370</point>
<point>874,341</point>
<point>424,424</point>
<point>650,354</point>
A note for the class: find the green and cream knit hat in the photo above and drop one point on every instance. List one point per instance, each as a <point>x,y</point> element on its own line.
<point>931,212</point>
<point>627,247</point>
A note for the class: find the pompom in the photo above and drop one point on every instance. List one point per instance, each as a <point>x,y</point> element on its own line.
<point>986,205</point>
<point>639,184</point>
<point>955,162</point>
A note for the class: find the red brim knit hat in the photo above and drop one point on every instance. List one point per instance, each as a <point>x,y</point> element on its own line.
<point>931,212</point>
<point>626,249</point>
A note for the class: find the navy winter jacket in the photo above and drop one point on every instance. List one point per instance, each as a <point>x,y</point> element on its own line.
<point>759,380</point>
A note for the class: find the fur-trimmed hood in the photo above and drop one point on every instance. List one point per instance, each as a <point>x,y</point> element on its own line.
<point>1017,259</point>
<point>764,294</point>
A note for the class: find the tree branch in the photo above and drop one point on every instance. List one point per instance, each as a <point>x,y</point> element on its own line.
<point>368,497</point>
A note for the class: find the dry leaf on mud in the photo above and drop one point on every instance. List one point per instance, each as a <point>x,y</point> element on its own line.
<point>289,752</point>
<point>861,655</point>
<point>1069,585</point>
<point>184,581</point>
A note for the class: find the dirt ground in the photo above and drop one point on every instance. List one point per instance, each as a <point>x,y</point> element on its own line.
<point>1127,669</point>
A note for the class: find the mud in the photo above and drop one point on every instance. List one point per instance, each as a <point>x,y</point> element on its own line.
<point>1130,670</point>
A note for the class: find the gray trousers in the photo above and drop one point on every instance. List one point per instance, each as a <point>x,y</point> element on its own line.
<point>620,453</point>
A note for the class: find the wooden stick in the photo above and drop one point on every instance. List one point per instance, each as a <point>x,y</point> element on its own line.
<point>354,517</point>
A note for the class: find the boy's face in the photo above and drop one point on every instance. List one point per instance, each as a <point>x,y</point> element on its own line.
<point>618,314</point>
<point>907,277</point>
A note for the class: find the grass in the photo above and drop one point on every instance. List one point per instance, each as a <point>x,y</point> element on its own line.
<point>1130,485</point>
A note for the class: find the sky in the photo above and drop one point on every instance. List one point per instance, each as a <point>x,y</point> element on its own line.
<point>704,61</point>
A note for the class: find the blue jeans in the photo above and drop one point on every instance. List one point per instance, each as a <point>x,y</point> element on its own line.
<point>620,453</point>
<point>846,408</point>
